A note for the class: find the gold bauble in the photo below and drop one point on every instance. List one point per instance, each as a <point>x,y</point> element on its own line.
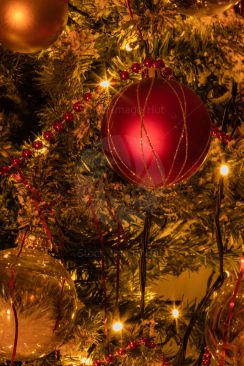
<point>44,298</point>
<point>29,26</point>
<point>201,8</point>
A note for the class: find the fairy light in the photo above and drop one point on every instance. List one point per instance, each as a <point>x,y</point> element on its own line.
<point>224,170</point>
<point>105,83</point>
<point>175,313</point>
<point>128,47</point>
<point>86,361</point>
<point>117,326</point>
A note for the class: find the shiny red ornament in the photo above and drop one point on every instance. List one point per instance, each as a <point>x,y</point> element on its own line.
<point>156,132</point>
<point>78,107</point>
<point>69,117</point>
<point>48,135</point>
<point>124,75</point>
<point>148,62</point>
<point>58,126</point>
<point>27,154</point>
<point>158,64</point>
<point>87,97</point>
<point>37,144</point>
<point>136,67</point>
<point>28,26</point>
<point>144,341</point>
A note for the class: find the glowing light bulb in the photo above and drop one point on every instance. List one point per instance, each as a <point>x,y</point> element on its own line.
<point>117,326</point>
<point>86,361</point>
<point>224,170</point>
<point>105,83</point>
<point>175,313</point>
<point>128,47</point>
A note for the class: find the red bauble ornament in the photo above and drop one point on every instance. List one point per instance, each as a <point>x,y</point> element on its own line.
<point>87,97</point>
<point>5,170</point>
<point>110,358</point>
<point>158,64</point>
<point>156,132</point>
<point>120,352</point>
<point>16,162</point>
<point>31,25</point>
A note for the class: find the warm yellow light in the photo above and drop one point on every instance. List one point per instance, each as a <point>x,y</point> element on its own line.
<point>105,83</point>
<point>117,326</point>
<point>175,313</point>
<point>18,16</point>
<point>128,47</point>
<point>86,361</point>
<point>224,170</point>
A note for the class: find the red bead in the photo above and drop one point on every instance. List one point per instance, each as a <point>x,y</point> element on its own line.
<point>87,96</point>
<point>144,341</point>
<point>58,126</point>
<point>5,169</point>
<point>124,75</point>
<point>136,67</point>
<point>27,154</point>
<point>151,344</point>
<point>167,71</point>
<point>78,107</point>
<point>16,162</point>
<point>48,135</point>
<point>158,64</point>
<point>121,352</point>
<point>215,132</point>
<point>69,117</point>
<point>221,135</point>
<point>110,358</point>
<point>132,345</point>
<point>37,144</point>
<point>159,155</point>
<point>148,62</point>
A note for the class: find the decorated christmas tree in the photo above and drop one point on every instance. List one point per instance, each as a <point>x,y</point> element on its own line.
<point>121,182</point>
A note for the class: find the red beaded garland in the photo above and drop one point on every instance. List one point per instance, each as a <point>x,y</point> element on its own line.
<point>27,154</point>
<point>78,107</point>
<point>148,62</point>
<point>121,351</point>
<point>124,75</point>
<point>110,358</point>
<point>48,135</point>
<point>69,117</point>
<point>37,144</point>
<point>206,357</point>
<point>136,67</point>
<point>158,64</point>
<point>132,345</point>
<point>58,126</point>
<point>5,170</point>
<point>156,132</point>
<point>87,97</point>
<point>16,162</point>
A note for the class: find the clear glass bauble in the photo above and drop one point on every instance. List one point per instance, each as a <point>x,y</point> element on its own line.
<point>201,8</point>
<point>44,298</point>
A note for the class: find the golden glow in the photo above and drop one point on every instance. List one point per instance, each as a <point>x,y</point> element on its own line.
<point>105,83</point>
<point>86,361</point>
<point>227,273</point>
<point>175,313</point>
<point>18,16</point>
<point>117,326</point>
<point>224,170</point>
<point>128,47</point>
